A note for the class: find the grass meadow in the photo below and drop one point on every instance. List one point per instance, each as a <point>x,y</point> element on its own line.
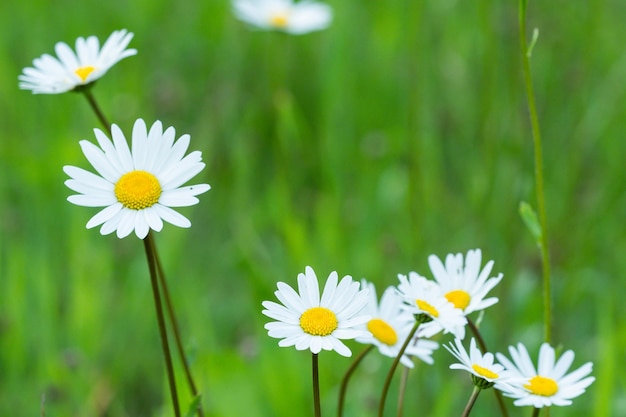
<point>399,132</point>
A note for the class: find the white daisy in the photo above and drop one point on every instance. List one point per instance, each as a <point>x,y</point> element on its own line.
<point>137,186</point>
<point>308,322</point>
<point>422,296</point>
<point>71,69</point>
<point>547,384</point>
<point>390,325</point>
<point>284,15</point>
<point>480,366</point>
<point>465,285</point>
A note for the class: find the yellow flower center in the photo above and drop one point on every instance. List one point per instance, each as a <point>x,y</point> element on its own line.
<point>138,190</point>
<point>427,308</point>
<point>540,385</point>
<point>382,331</point>
<point>279,20</point>
<point>83,72</point>
<point>459,298</point>
<point>318,321</point>
<point>484,372</point>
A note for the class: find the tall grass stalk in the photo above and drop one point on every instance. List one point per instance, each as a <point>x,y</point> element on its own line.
<point>539,189</point>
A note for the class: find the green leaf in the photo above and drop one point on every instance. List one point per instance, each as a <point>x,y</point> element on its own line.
<point>193,407</point>
<point>530,219</point>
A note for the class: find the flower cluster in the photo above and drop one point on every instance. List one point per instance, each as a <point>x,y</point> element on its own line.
<point>460,287</point>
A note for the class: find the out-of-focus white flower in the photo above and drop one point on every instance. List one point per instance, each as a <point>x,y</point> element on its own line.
<point>296,18</point>
<point>71,69</point>
<point>390,325</point>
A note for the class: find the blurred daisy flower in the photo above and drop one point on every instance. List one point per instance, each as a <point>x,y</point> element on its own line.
<point>548,384</point>
<point>390,325</point>
<point>284,15</point>
<point>485,372</point>
<point>422,297</point>
<point>306,321</point>
<point>137,186</point>
<point>71,69</point>
<point>465,285</point>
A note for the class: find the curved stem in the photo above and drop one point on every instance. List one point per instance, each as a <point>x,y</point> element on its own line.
<point>541,205</point>
<point>94,106</point>
<point>149,247</point>
<point>483,348</point>
<point>346,378</point>
<point>394,365</point>
<point>402,391</point>
<point>175,328</point>
<point>470,402</point>
<point>316,386</point>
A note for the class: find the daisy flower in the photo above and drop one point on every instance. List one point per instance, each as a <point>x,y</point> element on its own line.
<point>485,372</point>
<point>465,285</point>
<point>422,296</point>
<point>71,69</point>
<point>390,325</point>
<point>284,15</point>
<point>138,185</point>
<point>306,321</point>
<point>548,384</point>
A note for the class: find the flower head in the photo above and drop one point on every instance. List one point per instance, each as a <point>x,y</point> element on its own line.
<point>390,325</point>
<point>306,321</point>
<point>548,384</point>
<point>71,69</point>
<point>422,297</point>
<point>284,15</point>
<point>485,372</point>
<point>465,285</point>
<point>138,185</point>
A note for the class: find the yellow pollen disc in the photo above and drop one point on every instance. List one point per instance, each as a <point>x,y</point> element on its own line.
<point>138,190</point>
<point>484,372</point>
<point>427,308</point>
<point>382,331</point>
<point>318,321</point>
<point>459,298</point>
<point>543,386</point>
<point>83,72</point>
<point>279,20</point>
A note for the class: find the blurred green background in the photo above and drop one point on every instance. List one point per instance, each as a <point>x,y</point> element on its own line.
<point>399,132</point>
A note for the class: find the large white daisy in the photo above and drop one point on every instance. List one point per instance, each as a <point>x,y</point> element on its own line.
<point>138,185</point>
<point>306,321</point>
<point>71,69</point>
<point>465,285</point>
<point>548,384</point>
<point>390,325</point>
<point>422,296</point>
<point>295,18</point>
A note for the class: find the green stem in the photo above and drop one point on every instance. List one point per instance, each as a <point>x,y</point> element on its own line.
<point>541,205</point>
<point>346,379</point>
<point>402,390</point>
<point>470,402</point>
<point>96,109</point>
<point>483,348</point>
<point>316,387</point>
<point>394,365</point>
<point>536,412</point>
<point>149,247</point>
<point>175,328</point>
